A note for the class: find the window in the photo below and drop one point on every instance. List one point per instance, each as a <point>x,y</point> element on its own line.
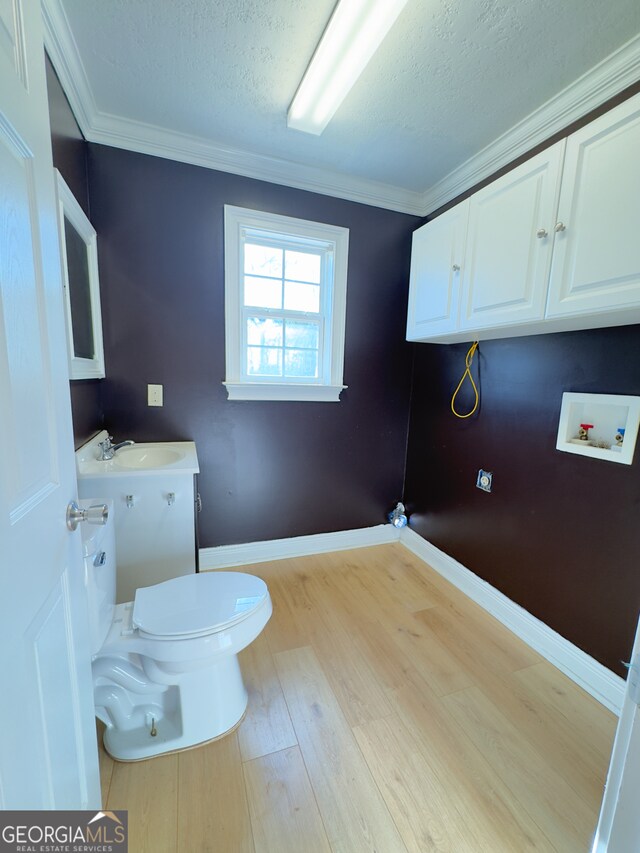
<point>285,298</point>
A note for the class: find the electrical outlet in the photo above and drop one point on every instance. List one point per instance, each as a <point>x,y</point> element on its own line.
<point>485,480</point>
<point>154,395</point>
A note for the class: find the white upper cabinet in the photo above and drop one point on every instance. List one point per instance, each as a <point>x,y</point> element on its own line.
<point>596,264</point>
<point>436,262</point>
<point>509,243</point>
<point>550,246</point>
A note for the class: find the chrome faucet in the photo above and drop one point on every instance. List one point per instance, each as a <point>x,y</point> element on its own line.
<point>108,450</point>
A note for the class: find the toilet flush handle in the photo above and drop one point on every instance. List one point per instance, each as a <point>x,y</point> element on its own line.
<point>97,514</point>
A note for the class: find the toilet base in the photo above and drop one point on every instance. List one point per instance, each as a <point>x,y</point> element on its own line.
<point>178,749</point>
<point>194,708</point>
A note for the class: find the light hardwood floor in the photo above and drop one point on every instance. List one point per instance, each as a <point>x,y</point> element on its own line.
<point>387,713</point>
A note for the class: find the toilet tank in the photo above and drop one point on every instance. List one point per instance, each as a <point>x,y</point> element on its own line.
<point>99,554</point>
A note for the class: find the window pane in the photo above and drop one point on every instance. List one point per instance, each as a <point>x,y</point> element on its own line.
<point>301,335</point>
<point>301,297</point>
<point>301,362</point>
<point>262,292</point>
<point>264,332</point>
<point>302,266</point>
<point>264,361</point>
<point>262,260</point>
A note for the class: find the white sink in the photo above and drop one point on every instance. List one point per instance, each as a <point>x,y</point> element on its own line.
<point>137,460</point>
<point>144,456</point>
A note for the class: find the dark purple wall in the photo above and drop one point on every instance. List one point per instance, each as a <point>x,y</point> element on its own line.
<point>559,533</point>
<point>268,469</point>
<point>69,157</point>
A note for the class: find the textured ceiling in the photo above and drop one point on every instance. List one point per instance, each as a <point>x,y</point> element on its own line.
<point>451,76</point>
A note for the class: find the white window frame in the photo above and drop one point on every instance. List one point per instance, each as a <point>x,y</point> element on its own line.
<point>240,222</point>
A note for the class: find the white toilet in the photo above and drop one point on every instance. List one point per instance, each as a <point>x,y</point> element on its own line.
<point>165,667</point>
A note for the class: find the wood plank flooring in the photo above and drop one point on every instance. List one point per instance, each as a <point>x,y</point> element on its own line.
<point>387,713</point>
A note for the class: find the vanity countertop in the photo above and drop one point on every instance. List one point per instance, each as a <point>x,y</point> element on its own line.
<point>137,460</point>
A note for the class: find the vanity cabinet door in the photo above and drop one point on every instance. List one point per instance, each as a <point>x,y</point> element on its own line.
<point>596,264</point>
<point>434,284</point>
<point>509,245</point>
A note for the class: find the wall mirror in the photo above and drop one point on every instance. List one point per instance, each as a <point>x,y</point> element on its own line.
<point>79,254</point>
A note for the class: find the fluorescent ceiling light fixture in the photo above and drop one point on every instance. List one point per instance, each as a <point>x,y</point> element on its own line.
<point>352,36</point>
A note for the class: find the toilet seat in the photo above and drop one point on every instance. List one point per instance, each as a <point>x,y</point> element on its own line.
<point>197,605</point>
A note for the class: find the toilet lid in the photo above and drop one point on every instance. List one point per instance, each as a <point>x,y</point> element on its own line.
<point>197,604</point>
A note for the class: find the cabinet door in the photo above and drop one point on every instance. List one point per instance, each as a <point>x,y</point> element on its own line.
<point>509,244</point>
<point>596,263</point>
<point>434,284</point>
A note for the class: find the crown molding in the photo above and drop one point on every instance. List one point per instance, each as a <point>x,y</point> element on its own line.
<point>150,139</point>
<point>65,58</point>
<point>605,80</point>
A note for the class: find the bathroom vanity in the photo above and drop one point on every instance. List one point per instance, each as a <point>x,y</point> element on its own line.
<point>152,489</point>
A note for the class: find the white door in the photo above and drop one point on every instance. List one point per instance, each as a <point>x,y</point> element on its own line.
<point>48,752</point>
<point>619,825</point>
<point>437,253</point>
<point>509,244</point>
<point>596,262</point>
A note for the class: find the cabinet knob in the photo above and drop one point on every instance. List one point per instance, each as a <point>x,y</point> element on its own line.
<point>456,267</point>
<point>540,233</point>
<point>560,226</point>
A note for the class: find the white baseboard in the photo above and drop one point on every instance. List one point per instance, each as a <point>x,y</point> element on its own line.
<point>226,556</point>
<point>596,679</point>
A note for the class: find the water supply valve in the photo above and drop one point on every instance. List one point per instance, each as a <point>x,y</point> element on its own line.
<point>398,517</point>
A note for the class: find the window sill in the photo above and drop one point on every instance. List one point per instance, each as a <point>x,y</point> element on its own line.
<point>283,391</point>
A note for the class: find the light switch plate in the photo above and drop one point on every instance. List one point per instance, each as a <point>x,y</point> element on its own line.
<point>154,395</point>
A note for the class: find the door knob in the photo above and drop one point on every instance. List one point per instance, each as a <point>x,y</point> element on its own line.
<point>560,226</point>
<point>540,233</point>
<point>97,514</point>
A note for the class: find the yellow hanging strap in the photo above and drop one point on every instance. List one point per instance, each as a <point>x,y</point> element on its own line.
<point>467,361</point>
